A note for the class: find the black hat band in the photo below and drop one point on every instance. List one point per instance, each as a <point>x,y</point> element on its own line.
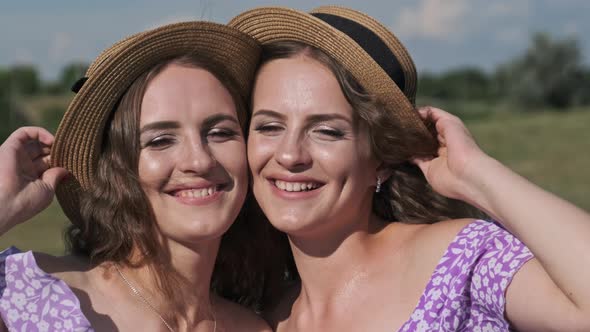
<point>369,42</point>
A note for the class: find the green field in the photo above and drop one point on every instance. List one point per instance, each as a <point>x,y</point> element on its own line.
<point>551,149</point>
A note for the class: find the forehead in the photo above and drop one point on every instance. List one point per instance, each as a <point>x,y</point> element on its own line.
<point>298,84</point>
<point>184,92</point>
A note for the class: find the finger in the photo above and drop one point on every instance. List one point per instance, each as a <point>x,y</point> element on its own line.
<point>40,165</point>
<point>35,149</point>
<point>25,134</point>
<point>53,176</point>
<point>439,114</point>
<point>424,112</point>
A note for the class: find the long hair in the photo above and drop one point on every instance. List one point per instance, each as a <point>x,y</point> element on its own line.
<point>406,196</point>
<point>118,220</point>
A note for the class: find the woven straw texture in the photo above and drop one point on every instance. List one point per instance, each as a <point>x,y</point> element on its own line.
<point>272,24</point>
<point>79,136</point>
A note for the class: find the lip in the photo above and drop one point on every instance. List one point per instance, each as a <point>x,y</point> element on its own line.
<point>294,195</point>
<point>196,201</point>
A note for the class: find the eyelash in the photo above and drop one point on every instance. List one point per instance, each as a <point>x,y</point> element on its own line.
<point>335,133</point>
<point>222,133</point>
<point>159,142</point>
<point>217,135</point>
<point>270,129</point>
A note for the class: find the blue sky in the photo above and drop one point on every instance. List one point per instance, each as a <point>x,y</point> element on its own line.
<point>440,34</point>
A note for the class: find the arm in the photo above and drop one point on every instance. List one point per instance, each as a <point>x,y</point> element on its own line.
<point>27,183</point>
<point>557,232</point>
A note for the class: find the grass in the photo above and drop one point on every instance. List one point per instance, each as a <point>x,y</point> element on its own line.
<point>551,149</point>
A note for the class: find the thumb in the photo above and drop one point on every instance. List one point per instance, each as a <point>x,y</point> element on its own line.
<point>53,176</point>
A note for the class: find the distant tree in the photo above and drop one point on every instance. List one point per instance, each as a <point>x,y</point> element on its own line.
<point>51,116</point>
<point>11,116</point>
<point>4,82</point>
<point>463,83</point>
<point>24,80</point>
<point>72,73</point>
<point>550,73</point>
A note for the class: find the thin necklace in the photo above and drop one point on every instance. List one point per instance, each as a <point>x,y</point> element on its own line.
<point>146,302</point>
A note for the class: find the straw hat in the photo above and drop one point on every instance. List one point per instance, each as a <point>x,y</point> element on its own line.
<point>363,46</point>
<point>79,136</point>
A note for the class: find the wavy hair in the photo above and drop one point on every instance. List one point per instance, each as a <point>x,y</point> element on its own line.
<point>118,222</point>
<point>406,196</point>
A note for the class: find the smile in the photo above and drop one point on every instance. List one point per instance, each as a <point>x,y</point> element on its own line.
<point>196,193</point>
<point>296,186</point>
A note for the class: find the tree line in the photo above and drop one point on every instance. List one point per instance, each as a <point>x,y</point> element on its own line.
<point>550,73</point>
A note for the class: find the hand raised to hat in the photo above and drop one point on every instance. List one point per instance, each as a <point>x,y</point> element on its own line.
<point>27,182</point>
<point>453,172</point>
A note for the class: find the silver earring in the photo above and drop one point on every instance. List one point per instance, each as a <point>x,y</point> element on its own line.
<point>378,189</point>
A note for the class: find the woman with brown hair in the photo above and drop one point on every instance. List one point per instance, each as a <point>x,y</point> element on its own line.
<point>369,191</point>
<point>155,148</point>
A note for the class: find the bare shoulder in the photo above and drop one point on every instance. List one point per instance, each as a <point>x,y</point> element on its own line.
<point>238,318</point>
<point>425,237</point>
<point>427,243</point>
<point>443,232</point>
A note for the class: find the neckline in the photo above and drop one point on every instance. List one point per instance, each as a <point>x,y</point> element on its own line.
<point>442,259</point>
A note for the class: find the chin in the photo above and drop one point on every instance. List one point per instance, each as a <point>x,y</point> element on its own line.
<point>291,224</point>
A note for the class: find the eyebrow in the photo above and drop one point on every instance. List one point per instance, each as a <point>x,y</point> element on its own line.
<point>159,125</point>
<point>270,113</point>
<point>217,118</point>
<point>310,118</point>
<point>207,123</point>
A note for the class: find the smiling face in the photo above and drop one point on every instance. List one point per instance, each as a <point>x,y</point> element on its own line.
<point>192,163</point>
<point>311,161</point>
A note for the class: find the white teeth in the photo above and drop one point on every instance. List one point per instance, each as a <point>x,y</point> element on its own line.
<point>196,193</point>
<point>295,186</point>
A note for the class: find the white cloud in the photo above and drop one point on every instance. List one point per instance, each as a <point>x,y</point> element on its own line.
<point>433,19</point>
<point>452,20</point>
<point>59,46</point>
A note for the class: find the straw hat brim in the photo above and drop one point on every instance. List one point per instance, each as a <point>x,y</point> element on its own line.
<point>273,24</point>
<point>80,133</point>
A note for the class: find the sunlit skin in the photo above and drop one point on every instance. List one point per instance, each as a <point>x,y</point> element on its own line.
<point>191,163</point>
<point>303,134</point>
<point>314,177</point>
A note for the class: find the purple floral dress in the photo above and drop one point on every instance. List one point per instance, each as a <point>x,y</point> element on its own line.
<point>32,300</point>
<point>465,293</point>
<point>467,289</point>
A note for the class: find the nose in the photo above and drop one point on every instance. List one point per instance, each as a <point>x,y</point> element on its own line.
<point>196,157</point>
<point>292,153</point>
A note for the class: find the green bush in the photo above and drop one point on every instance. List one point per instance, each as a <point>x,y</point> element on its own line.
<point>51,116</point>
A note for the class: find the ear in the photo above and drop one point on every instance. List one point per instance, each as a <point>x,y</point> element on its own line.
<point>383,172</point>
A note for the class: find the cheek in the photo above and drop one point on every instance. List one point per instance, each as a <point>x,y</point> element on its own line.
<point>154,168</point>
<point>260,151</point>
<point>232,157</point>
